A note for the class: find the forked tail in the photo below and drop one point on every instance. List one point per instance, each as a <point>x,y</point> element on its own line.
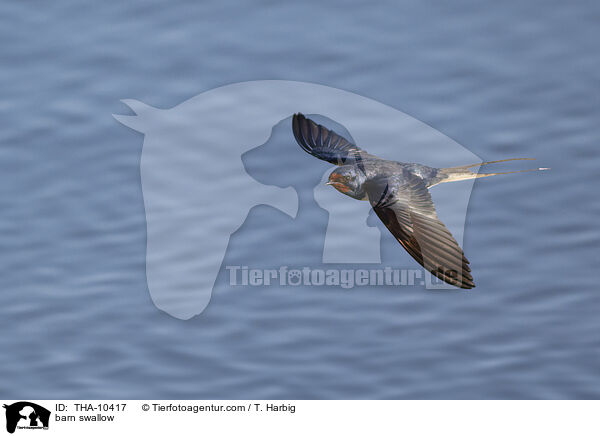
<point>455,174</point>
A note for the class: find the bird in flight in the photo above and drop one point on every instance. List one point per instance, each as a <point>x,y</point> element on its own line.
<point>399,194</point>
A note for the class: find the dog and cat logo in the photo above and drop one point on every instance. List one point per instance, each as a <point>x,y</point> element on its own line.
<point>26,415</point>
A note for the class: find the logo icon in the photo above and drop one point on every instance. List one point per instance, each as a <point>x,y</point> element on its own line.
<point>26,415</point>
<point>208,161</point>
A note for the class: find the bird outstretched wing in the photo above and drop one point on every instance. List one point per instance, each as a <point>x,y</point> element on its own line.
<point>407,210</point>
<point>325,144</point>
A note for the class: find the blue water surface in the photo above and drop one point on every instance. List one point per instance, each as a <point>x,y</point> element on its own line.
<point>507,79</point>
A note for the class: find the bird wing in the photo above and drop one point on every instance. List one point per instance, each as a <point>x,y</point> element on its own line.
<point>325,144</point>
<point>409,214</point>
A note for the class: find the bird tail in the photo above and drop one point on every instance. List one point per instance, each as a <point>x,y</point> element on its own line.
<point>455,174</point>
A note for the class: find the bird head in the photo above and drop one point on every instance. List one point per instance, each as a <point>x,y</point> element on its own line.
<point>348,180</point>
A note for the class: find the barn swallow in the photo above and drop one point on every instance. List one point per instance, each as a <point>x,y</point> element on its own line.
<point>399,194</point>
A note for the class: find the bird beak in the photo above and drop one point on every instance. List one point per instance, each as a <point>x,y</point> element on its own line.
<point>329,183</point>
